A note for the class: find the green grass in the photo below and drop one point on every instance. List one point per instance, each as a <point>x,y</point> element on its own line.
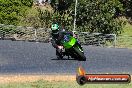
<point>127,30</point>
<point>125,39</point>
<point>62,84</point>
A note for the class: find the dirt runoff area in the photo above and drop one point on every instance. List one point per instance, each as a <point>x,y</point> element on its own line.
<point>33,78</point>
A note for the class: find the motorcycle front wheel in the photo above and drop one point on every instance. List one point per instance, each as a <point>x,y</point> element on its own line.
<point>79,54</point>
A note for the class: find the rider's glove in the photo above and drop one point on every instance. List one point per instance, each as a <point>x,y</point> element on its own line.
<point>60,47</point>
<point>74,35</point>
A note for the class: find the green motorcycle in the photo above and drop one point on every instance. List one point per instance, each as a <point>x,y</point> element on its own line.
<point>72,48</point>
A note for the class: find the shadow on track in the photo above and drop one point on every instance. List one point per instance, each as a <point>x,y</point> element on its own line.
<point>63,59</point>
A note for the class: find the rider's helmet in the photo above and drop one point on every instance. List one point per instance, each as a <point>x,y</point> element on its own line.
<point>55,28</point>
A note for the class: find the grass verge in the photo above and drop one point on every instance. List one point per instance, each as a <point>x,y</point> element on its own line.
<point>125,39</point>
<point>50,81</point>
<point>61,84</point>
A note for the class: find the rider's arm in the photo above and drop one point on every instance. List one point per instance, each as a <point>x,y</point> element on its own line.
<point>69,32</point>
<point>55,41</point>
<point>54,44</point>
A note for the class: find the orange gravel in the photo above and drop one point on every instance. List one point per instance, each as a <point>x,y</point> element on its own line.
<point>32,78</point>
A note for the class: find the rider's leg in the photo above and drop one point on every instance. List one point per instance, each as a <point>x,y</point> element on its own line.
<point>59,53</point>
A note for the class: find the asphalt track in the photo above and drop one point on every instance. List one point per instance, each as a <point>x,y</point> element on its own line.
<point>19,57</point>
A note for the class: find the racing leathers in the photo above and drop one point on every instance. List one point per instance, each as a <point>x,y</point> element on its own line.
<point>56,41</point>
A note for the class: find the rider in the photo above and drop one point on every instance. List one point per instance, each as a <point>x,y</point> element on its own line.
<point>57,34</point>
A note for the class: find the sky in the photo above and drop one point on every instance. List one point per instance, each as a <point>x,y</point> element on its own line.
<point>40,1</point>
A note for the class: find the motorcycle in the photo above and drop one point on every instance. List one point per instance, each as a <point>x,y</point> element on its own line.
<point>71,47</point>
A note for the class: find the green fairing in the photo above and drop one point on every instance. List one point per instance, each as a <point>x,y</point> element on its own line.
<point>69,44</point>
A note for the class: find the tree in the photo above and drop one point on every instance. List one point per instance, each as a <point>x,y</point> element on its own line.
<point>92,15</point>
<point>127,5</point>
<point>12,10</point>
<point>98,16</point>
<point>62,9</point>
<point>44,18</point>
<point>61,5</point>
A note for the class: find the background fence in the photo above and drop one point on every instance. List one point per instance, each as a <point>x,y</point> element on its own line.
<point>97,39</point>
<point>43,35</point>
<point>24,33</point>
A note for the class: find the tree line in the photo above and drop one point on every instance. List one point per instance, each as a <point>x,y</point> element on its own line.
<point>92,15</point>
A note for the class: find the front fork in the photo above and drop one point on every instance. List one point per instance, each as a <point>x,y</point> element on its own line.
<point>79,45</point>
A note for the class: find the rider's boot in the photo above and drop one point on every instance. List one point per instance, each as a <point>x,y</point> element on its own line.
<point>59,54</point>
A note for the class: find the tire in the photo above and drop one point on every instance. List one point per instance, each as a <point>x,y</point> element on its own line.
<point>79,55</point>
